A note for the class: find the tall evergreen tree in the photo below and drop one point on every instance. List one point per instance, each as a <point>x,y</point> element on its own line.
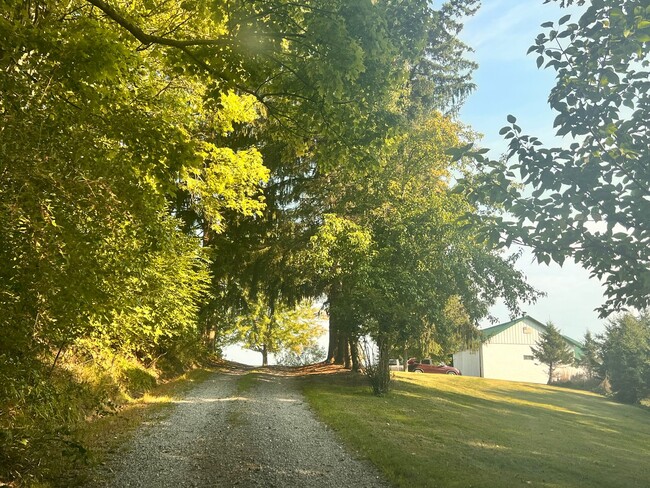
<point>591,358</point>
<point>626,356</point>
<point>553,350</point>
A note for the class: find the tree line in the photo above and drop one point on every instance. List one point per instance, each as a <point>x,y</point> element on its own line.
<point>620,357</point>
<point>615,362</point>
<point>171,167</point>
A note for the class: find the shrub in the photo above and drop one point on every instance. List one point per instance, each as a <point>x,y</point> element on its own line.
<point>376,368</point>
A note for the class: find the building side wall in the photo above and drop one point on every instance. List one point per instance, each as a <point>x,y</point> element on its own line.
<point>568,373</point>
<point>468,362</point>
<point>507,362</point>
<point>508,356</point>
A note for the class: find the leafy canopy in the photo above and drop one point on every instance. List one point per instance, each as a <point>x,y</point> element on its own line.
<point>589,199</point>
<point>277,328</point>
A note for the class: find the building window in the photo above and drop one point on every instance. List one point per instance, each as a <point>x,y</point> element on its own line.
<point>528,358</point>
<point>527,330</point>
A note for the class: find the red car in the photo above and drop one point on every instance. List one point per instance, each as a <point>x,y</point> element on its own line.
<point>428,366</point>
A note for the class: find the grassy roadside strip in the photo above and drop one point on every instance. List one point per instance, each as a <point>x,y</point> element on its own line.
<point>104,435</point>
<point>435,430</point>
<point>247,381</point>
<point>244,384</point>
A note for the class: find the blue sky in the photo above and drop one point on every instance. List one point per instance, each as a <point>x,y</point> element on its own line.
<point>509,83</point>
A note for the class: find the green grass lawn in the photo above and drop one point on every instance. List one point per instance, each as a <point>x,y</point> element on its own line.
<point>449,431</point>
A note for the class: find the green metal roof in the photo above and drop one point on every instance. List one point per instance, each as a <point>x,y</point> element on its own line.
<point>497,329</point>
<point>577,347</point>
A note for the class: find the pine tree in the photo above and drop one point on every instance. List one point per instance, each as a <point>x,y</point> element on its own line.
<point>591,359</point>
<point>553,350</point>
<point>626,356</point>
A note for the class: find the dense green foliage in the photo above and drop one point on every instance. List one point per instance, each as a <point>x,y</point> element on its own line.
<point>621,357</point>
<point>588,200</point>
<point>397,260</point>
<point>283,329</point>
<point>591,360</point>
<point>552,350</point>
<point>625,350</point>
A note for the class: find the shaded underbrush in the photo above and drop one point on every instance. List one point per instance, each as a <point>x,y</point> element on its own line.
<point>51,416</point>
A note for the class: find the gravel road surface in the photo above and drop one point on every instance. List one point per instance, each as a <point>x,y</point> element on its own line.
<point>217,437</point>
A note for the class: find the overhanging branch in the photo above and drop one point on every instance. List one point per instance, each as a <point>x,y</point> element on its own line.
<point>149,39</point>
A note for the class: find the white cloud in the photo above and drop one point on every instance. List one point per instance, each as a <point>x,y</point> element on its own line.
<point>504,29</point>
<point>487,30</point>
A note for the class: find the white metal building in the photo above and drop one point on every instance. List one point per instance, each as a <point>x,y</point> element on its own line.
<point>504,353</point>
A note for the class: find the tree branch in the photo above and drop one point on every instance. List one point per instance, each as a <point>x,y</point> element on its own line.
<point>149,39</point>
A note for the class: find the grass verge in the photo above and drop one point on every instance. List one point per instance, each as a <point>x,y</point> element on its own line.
<point>436,430</point>
<point>104,435</point>
<point>244,384</point>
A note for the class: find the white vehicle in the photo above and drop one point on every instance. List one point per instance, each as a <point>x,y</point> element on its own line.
<point>394,365</point>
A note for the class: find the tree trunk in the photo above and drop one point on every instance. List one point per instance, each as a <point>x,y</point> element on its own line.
<point>265,356</point>
<point>383,359</point>
<point>347,359</point>
<point>551,370</point>
<point>333,341</point>
<point>210,337</point>
<point>335,325</point>
<point>339,357</point>
<point>354,353</point>
<point>338,336</point>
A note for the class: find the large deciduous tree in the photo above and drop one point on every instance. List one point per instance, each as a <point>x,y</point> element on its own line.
<point>398,261</point>
<point>276,328</point>
<point>431,275</point>
<point>589,199</point>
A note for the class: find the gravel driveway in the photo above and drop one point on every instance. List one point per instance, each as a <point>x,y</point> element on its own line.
<point>217,437</point>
